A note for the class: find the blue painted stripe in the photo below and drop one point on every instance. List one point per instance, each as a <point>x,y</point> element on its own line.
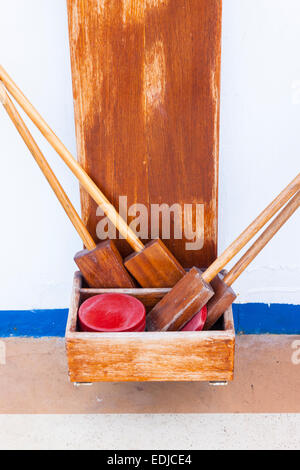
<point>33,323</point>
<point>252,318</point>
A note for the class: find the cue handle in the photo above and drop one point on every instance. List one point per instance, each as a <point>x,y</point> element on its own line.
<point>86,182</point>
<point>46,170</point>
<point>263,240</point>
<point>252,229</point>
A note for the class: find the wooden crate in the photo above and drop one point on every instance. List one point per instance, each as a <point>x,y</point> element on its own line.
<point>135,357</point>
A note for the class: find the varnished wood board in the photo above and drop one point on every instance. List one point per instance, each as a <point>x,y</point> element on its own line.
<point>117,357</point>
<point>146,83</point>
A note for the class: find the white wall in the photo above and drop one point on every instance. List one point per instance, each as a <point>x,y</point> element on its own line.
<point>259,155</point>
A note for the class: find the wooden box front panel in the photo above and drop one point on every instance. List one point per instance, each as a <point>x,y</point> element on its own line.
<point>117,357</point>
<point>146,82</point>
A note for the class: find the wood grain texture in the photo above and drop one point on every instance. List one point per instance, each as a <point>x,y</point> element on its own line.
<point>155,358</point>
<point>179,356</point>
<point>149,297</point>
<point>103,266</point>
<point>181,304</point>
<point>146,82</point>
<point>221,301</point>
<point>155,266</point>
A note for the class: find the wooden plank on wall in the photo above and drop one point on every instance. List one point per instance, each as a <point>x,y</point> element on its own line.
<point>146,83</point>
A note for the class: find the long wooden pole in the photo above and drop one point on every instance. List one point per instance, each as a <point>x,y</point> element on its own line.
<point>86,182</point>
<point>112,214</point>
<point>263,240</point>
<point>252,229</point>
<point>47,171</point>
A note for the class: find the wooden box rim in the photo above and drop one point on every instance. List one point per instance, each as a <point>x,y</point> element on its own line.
<point>149,339</point>
<point>71,331</point>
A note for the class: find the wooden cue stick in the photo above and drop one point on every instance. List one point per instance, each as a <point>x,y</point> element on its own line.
<point>46,170</point>
<point>109,210</point>
<point>252,229</point>
<point>263,240</point>
<point>86,182</point>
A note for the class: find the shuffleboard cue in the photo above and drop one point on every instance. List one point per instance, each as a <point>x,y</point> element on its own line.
<point>192,292</point>
<point>224,294</point>
<point>152,265</point>
<point>104,262</point>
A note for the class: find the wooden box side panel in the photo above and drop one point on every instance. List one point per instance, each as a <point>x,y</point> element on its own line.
<point>75,303</point>
<point>93,357</point>
<point>151,357</point>
<point>146,83</point>
<point>179,356</point>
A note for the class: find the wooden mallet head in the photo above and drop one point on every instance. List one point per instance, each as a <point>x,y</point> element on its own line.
<point>179,306</point>
<point>155,266</point>
<point>103,267</point>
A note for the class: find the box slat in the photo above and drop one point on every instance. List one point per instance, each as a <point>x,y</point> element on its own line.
<point>118,357</point>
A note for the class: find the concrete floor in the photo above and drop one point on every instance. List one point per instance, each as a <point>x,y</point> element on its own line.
<point>34,379</point>
<point>135,432</point>
<point>40,409</point>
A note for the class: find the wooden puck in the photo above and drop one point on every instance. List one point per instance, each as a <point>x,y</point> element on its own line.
<point>112,313</point>
<point>197,322</point>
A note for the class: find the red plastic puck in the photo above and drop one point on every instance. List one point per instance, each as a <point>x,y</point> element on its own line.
<point>197,322</point>
<point>112,313</point>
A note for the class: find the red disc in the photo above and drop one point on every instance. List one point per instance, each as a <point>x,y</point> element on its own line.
<point>112,313</point>
<point>197,322</point>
